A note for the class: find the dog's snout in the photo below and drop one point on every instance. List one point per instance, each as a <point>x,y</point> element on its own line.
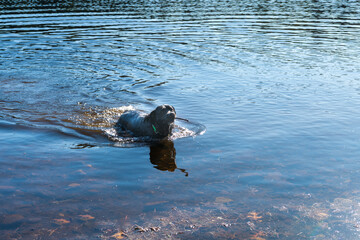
<point>171,115</point>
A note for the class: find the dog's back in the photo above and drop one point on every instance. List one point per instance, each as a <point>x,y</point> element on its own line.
<point>130,119</point>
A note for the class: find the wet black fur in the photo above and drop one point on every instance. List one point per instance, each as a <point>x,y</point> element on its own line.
<point>157,124</point>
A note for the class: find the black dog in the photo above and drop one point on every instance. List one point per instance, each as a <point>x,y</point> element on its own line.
<point>157,124</point>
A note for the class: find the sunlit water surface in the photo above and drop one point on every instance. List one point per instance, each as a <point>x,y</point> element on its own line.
<point>276,86</point>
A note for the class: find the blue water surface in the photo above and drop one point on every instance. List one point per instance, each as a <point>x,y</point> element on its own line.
<point>276,84</point>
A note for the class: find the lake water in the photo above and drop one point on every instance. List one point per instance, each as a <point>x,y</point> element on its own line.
<point>276,84</point>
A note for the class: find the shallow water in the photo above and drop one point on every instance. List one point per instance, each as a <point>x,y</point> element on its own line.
<point>276,84</point>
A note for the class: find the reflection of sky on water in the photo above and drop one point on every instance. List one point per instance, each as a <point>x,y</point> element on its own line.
<point>275,83</point>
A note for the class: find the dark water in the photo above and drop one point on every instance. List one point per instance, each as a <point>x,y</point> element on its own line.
<point>277,85</point>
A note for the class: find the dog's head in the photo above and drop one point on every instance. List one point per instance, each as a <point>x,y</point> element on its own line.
<point>162,120</point>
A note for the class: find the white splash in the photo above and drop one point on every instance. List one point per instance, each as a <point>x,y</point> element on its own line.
<point>105,119</point>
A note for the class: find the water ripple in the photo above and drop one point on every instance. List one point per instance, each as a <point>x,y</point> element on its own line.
<point>126,52</point>
<point>277,84</point>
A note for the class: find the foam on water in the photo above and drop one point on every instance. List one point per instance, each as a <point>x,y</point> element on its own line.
<point>99,118</point>
<point>183,128</point>
<point>105,119</point>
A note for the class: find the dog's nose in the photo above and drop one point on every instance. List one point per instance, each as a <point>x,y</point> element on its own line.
<point>171,115</point>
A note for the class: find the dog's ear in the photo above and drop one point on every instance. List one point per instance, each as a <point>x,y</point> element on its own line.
<point>155,114</point>
<point>152,116</point>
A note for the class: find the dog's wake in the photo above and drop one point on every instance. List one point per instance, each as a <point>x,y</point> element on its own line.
<point>105,120</point>
<point>183,128</point>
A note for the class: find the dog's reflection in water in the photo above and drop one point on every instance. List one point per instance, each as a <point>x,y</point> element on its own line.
<point>163,156</point>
